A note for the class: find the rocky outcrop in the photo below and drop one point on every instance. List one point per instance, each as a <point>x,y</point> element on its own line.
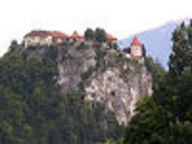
<point>120,94</point>
<point>111,80</point>
<point>74,60</point>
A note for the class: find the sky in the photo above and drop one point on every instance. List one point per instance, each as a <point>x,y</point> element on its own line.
<point>118,17</point>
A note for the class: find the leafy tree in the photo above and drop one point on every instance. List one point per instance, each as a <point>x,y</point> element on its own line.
<point>33,110</point>
<point>100,35</point>
<point>89,34</point>
<point>180,59</point>
<point>157,71</point>
<point>14,45</point>
<point>166,117</point>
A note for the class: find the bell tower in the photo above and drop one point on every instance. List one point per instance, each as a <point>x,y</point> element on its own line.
<point>136,48</point>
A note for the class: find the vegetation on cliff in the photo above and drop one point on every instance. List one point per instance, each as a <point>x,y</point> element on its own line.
<point>166,117</point>
<point>34,110</point>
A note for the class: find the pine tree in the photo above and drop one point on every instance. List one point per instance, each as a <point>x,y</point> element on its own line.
<point>167,116</point>
<point>181,58</point>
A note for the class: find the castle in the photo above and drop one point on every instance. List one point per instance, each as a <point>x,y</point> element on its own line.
<point>42,37</point>
<point>136,50</point>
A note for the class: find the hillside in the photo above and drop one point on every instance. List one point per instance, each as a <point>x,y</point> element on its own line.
<point>102,72</point>
<point>74,92</point>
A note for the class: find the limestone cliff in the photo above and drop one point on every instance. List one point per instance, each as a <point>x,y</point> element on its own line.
<point>98,69</point>
<point>119,95</point>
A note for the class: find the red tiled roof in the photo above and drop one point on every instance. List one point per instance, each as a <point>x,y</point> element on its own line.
<point>57,34</point>
<point>111,37</point>
<point>75,35</point>
<point>42,33</point>
<point>136,42</point>
<point>38,33</point>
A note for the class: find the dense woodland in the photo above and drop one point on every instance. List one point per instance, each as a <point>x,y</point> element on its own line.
<point>166,117</point>
<point>34,111</point>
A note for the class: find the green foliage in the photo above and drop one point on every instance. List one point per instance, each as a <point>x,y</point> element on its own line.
<point>14,45</point>
<point>100,55</point>
<point>87,74</point>
<point>145,126</point>
<point>113,45</point>
<point>144,50</point>
<point>82,46</point>
<point>98,35</point>
<point>166,117</point>
<point>33,110</point>
<point>120,60</point>
<point>89,34</point>
<point>181,58</point>
<point>111,142</point>
<point>157,71</point>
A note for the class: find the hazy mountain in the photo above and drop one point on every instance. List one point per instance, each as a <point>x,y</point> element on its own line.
<point>157,41</point>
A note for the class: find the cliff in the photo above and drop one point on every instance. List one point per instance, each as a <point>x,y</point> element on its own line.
<point>101,72</point>
<point>117,94</point>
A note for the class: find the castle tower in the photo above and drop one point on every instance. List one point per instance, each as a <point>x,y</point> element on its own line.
<point>136,48</point>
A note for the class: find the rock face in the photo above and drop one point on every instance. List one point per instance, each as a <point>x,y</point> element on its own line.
<point>119,95</point>
<point>74,60</point>
<point>101,72</point>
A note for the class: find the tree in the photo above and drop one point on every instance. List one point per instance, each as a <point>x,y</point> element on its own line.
<point>14,45</point>
<point>167,116</point>
<point>89,34</point>
<point>33,109</point>
<point>181,58</point>
<point>144,50</point>
<point>100,35</point>
<point>157,71</point>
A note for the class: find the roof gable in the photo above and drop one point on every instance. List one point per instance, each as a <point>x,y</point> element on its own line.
<point>43,33</point>
<point>136,42</point>
<point>111,37</point>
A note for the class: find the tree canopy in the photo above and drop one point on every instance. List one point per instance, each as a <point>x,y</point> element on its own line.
<point>34,111</point>
<point>166,117</point>
<point>98,35</point>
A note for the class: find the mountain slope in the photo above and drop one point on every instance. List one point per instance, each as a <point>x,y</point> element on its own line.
<point>71,93</point>
<point>157,41</point>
